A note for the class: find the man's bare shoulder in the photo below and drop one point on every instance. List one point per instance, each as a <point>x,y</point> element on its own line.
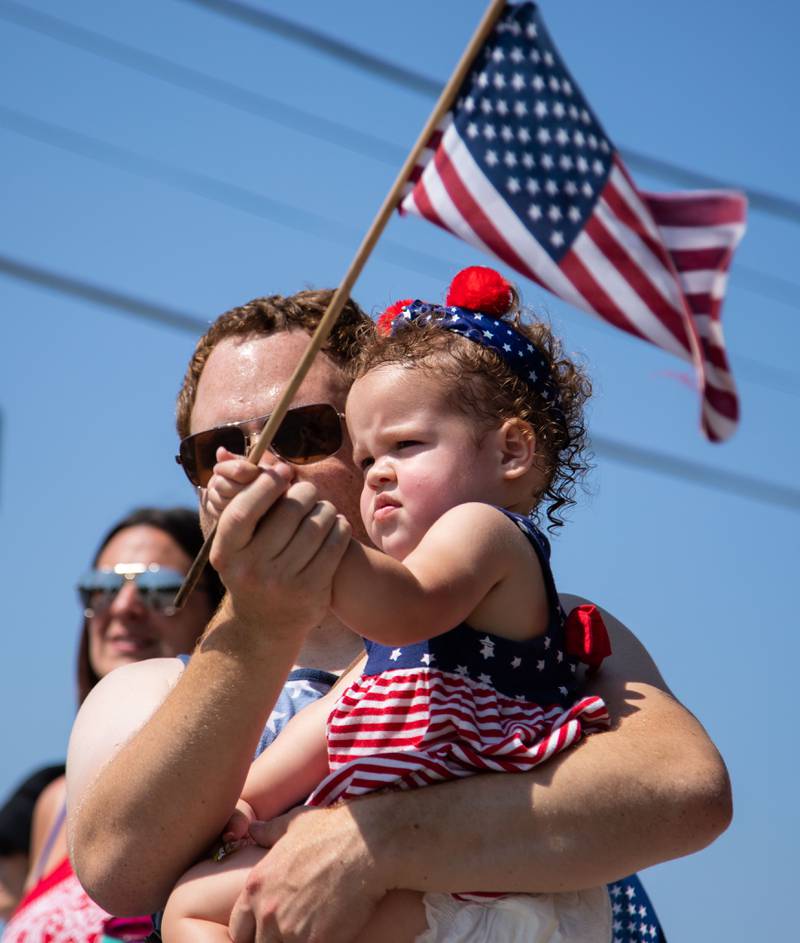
<point>116,708</point>
<point>153,672</point>
<point>125,687</point>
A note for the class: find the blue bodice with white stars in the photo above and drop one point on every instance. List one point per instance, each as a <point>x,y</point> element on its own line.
<point>537,670</point>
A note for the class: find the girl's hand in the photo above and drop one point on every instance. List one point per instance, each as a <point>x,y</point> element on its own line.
<point>232,474</point>
<point>238,825</point>
<point>276,550</point>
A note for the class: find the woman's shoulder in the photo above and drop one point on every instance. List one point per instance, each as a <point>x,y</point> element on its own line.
<point>48,810</point>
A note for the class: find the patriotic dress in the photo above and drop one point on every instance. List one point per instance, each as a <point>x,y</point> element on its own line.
<point>634,918</point>
<point>461,703</point>
<point>57,909</point>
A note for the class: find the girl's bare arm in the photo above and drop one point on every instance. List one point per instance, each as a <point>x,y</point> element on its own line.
<point>289,769</point>
<point>472,561</point>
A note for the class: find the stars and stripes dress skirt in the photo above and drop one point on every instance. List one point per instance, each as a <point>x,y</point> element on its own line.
<point>459,704</point>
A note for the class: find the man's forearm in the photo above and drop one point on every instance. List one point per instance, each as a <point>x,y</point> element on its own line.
<point>167,793</point>
<point>619,802</point>
<point>652,788</point>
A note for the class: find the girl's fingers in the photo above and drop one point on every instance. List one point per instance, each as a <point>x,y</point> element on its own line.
<point>237,826</point>
<point>245,513</point>
<point>238,469</point>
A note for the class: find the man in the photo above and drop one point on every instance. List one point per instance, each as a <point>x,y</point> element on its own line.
<point>650,789</point>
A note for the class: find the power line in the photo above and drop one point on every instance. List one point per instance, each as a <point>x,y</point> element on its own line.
<point>770,203</point>
<point>328,45</point>
<point>303,122</point>
<point>775,287</point>
<point>766,375</point>
<point>97,295</point>
<point>228,194</point>
<point>284,214</point>
<point>193,80</point>
<point>764,492</point>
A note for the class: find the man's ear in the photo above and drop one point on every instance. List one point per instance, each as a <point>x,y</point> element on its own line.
<point>517,442</point>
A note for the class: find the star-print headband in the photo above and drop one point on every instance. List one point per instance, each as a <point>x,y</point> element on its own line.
<point>475,301</point>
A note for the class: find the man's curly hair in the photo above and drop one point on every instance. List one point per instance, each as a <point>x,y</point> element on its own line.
<point>269,315</point>
<point>486,390</point>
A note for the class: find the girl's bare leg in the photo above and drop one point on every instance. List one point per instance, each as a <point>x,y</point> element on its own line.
<point>399,918</point>
<point>200,906</point>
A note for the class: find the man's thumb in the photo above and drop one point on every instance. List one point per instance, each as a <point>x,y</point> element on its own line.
<point>267,833</point>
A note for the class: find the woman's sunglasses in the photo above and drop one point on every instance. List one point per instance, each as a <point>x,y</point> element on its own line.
<point>307,434</point>
<point>155,585</point>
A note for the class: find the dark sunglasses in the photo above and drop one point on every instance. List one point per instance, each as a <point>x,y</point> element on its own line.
<point>155,585</point>
<point>307,434</point>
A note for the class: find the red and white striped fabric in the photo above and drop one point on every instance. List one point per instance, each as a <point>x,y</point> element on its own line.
<point>522,169</point>
<point>700,232</point>
<point>410,728</point>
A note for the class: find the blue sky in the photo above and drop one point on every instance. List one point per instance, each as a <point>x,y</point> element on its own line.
<point>87,392</point>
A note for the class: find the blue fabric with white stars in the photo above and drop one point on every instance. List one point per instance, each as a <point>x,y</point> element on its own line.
<point>633,919</point>
<point>527,126</point>
<point>518,352</point>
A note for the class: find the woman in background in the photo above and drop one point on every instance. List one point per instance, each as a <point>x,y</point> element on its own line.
<point>128,616</point>
<point>16,817</point>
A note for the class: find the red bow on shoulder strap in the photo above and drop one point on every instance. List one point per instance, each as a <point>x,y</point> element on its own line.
<point>587,637</point>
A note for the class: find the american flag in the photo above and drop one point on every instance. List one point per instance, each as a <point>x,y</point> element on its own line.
<point>522,169</point>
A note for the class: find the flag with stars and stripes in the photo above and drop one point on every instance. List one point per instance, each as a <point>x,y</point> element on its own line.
<point>522,169</point>
<point>633,919</point>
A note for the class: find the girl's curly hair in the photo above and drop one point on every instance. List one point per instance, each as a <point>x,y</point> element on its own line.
<point>486,390</point>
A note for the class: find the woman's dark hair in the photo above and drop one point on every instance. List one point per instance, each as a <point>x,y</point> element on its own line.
<point>183,526</point>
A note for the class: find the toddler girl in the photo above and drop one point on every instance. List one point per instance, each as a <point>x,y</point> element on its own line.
<point>465,421</point>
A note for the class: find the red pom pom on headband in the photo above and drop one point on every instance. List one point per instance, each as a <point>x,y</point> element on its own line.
<point>476,302</point>
<point>478,288</point>
<point>384,322</point>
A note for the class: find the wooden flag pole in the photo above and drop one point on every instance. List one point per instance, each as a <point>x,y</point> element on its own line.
<point>342,293</point>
